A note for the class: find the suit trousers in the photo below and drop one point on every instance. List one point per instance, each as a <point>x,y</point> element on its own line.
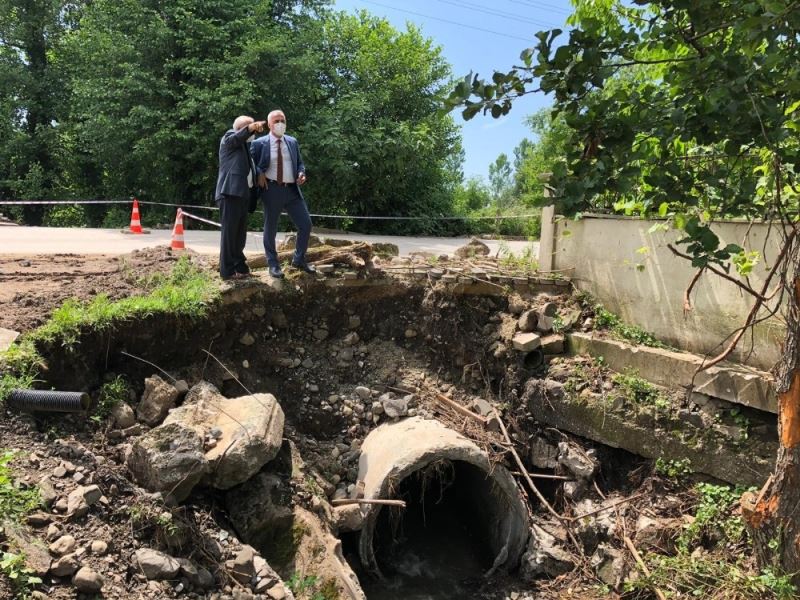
<point>234,236</point>
<point>278,198</point>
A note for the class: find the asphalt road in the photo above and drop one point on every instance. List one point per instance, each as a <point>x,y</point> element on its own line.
<point>58,240</point>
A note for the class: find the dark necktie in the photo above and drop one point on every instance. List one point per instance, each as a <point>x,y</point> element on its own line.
<point>280,162</point>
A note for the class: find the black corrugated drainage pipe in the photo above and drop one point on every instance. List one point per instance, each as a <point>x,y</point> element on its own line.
<point>48,401</point>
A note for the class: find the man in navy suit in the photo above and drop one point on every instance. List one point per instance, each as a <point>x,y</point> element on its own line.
<point>232,195</point>
<point>281,172</point>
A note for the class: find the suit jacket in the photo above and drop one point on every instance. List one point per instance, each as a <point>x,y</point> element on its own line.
<point>234,165</point>
<point>259,150</point>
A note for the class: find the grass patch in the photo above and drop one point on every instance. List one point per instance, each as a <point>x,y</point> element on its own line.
<point>15,501</point>
<point>187,291</point>
<point>640,391</point>
<point>526,261</point>
<point>604,319</point>
<point>22,577</point>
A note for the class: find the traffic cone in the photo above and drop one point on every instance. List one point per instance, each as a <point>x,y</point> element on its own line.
<point>136,224</point>
<point>177,232</point>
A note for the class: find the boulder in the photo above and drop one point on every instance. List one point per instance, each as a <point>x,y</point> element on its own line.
<point>158,397</point>
<point>394,407</point>
<point>87,581</point>
<point>154,564</point>
<point>348,518</point>
<point>169,458</point>
<point>63,545</point>
<point>65,566</point>
<point>248,432</point>
<point>123,415</point>
<point>474,247</point>
<point>198,577</point>
<point>527,321</point>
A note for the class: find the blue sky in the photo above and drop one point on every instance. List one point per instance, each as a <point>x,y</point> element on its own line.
<point>481,36</point>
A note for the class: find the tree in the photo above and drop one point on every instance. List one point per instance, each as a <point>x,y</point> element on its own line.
<point>540,156</point>
<point>689,111</point>
<point>32,86</point>
<point>501,180</point>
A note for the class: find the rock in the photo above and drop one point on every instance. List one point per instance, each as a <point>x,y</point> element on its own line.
<point>351,339</point>
<point>47,492</point>
<point>410,333</point>
<point>123,416</point>
<point>348,518</point>
<point>320,334</point>
<point>354,322</point>
<point>53,532</point>
<point>37,559</point>
<point>277,592</point>
<point>474,247</point>
<point>576,461</point>
<point>198,577</point>
<point>7,336</point>
<point>60,471</point>
<point>252,434</point>
<point>657,534</point>
<point>247,339</point>
<point>261,510</point>
<point>38,519</point>
<point>598,526</point>
<point>482,407</point>
<point>609,564</point>
<point>158,397</point>
<point>87,581</point>
<point>201,391</point>
<point>544,556</point>
<point>99,547</point>
<point>553,344</point>
<point>543,454</point>
<point>169,458</point>
<point>516,305</point>
<point>363,392</point>
<point>241,567</point>
<point>394,407</point>
<point>65,566</point>
<point>63,545</point>
<point>154,564</point>
<point>525,342</point>
<point>527,321</point>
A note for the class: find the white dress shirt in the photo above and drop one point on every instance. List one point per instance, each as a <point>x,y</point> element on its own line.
<point>272,169</point>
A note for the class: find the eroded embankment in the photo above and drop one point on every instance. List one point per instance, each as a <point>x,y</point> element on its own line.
<point>344,360</point>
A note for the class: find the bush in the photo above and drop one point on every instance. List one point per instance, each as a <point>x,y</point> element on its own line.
<point>65,215</point>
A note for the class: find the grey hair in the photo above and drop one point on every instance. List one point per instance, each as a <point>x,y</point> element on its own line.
<point>242,121</point>
<point>272,113</point>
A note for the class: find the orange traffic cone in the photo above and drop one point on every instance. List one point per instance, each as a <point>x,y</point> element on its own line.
<point>136,224</point>
<point>177,232</point>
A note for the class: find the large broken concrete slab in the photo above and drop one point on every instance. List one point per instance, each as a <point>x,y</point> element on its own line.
<point>734,383</point>
<point>395,451</point>
<point>746,459</point>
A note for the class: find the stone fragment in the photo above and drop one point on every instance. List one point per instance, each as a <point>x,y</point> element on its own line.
<point>7,337</point>
<point>474,247</point>
<point>247,339</point>
<point>576,461</point>
<point>544,324</point>
<point>169,458</point>
<point>544,556</point>
<point>65,566</point>
<point>354,322</point>
<point>99,547</point>
<point>198,577</point>
<point>320,334</point>
<point>63,545</point>
<point>609,564</point>
<point>36,555</point>
<point>527,321</point>
<point>241,567</point>
<point>351,339</point>
<point>410,333</point>
<point>261,509</point>
<point>123,416</point>
<point>348,518</point>
<point>363,392</point>
<point>38,519</point>
<point>154,564</point>
<point>47,492</point>
<point>543,454</point>
<point>158,397</point>
<point>87,581</point>
<point>525,342</point>
<point>394,407</point>
<point>516,305</point>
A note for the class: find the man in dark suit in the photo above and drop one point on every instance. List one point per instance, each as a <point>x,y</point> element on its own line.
<point>281,172</point>
<point>232,195</point>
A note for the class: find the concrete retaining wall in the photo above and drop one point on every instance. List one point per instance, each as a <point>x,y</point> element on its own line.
<point>634,274</point>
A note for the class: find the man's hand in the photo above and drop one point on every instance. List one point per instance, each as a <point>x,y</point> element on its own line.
<point>301,178</point>
<point>257,126</point>
<point>262,180</point>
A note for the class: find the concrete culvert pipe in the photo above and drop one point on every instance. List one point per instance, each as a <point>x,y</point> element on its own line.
<point>457,502</point>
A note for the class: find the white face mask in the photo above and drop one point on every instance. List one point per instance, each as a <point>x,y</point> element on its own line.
<point>251,138</point>
<point>279,129</point>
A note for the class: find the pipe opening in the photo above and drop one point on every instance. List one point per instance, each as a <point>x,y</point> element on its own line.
<point>534,359</point>
<point>445,540</point>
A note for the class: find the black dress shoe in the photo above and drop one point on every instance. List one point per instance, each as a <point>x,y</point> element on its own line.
<point>304,267</point>
<point>276,272</point>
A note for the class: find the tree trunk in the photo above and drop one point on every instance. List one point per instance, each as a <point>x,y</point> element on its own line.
<point>773,516</point>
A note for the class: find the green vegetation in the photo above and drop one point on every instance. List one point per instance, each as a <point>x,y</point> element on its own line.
<point>604,319</point>
<point>725,569</point>
<point>640,391</point>
<point>111,393</point>
<point>22,578</point>
<point>525,261</point>
<point>674,469</point>
<point>15,500</point>
<point>187,290</point>
<point>308,587</point>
